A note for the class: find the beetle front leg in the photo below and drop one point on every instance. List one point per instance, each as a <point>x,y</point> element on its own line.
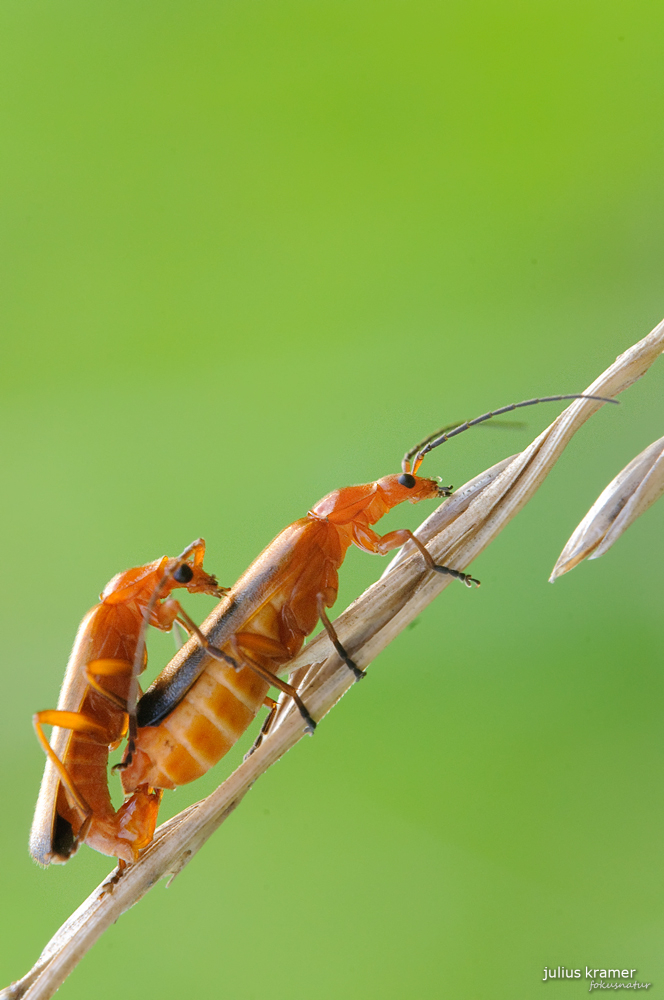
<point>368,540</point>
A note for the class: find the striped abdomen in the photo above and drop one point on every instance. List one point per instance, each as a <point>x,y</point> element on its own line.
<point>212,715</point>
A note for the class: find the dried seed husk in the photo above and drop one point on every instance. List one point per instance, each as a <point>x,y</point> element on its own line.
<point>634,489</point>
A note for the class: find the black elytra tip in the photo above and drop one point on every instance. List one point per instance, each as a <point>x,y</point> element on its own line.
<point>183,574</point>
<point>405,479</point>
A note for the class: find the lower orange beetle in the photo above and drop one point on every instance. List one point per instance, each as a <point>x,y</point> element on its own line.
<point>96,708</point>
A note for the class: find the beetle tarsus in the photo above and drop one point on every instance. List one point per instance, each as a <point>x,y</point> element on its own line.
<point>358,673</point>
<point>111,882</point>
<point>464,577</point>
<point>310,727</point>
<point>123,763</point>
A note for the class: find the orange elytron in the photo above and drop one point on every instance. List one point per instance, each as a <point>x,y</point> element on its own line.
<point>97,707</point>
<point>206,698</point>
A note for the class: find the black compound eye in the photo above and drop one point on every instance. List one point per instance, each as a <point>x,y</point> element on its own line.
<point>406,480</point>
<point>183,574</point>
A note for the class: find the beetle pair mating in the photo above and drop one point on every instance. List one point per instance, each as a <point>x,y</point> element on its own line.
<point>202,703</point>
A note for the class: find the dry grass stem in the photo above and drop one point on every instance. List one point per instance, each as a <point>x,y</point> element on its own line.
<point>456,534</point>
<point>626,497</point>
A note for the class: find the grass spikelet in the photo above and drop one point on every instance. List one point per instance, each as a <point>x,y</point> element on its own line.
<point>634,489</point>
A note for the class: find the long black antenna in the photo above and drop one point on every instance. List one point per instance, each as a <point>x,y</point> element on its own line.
<point>416,454</point>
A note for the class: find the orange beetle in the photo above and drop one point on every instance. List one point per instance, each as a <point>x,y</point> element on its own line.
<point>209,694</point>
<point>96,708</point>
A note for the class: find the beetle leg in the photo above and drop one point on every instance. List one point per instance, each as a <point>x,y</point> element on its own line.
<point>265,728</point>
<point>193,629</point>
<point>445,570</point>
<point>109,885</point>
<point>368,540</point>
<point>79,723</point>
<point>329,628</point>
<point>107,668</point>
<point>277,682</point>
<point>180,634</point>
<point>198,549</point>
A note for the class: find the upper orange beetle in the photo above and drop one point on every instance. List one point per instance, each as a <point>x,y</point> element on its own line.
<point>205,699</point>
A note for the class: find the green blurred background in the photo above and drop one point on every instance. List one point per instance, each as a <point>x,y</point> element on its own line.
<point>252,251</point>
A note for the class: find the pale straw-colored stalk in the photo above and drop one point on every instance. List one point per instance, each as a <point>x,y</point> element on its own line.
<point>455,534</point>
<point>634,489</point>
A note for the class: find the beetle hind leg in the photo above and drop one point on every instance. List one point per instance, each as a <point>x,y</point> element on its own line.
<point>77,722</point>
